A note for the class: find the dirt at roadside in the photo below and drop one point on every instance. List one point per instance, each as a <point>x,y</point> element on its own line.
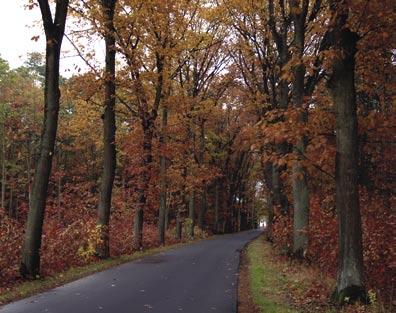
<point>245,302</point>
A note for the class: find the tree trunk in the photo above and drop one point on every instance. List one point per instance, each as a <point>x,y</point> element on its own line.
<point>11,210</point>
<point>179,225</point>
<point>191,213</point>
<point>284,57</point>
<point>163,208</point>
<point>276,185</point>
<point>280,36</point>
<point>202,208</point>
<point>301,207</point>
<point>28,167</point>
<point>238,228</point>
<point>216,222</point>
<point>299,177</point>
<point>109,132</point>
<point>342,88</point>
<point>54,30</point>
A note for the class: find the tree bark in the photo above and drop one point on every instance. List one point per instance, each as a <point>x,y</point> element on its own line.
<point>109,132</point>
<point>11,210</point>
<point>54,31</point>
<point>342,88</point>
<point>301,207</point>
<point>299,181</point>
<point>179,225</point>
<point>191,213</point>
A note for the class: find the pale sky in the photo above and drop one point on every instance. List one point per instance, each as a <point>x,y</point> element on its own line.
<point>18,25</point>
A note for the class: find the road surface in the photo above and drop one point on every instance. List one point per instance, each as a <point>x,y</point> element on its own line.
<point>198,278</point>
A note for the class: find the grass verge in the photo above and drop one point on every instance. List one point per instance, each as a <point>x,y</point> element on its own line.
<point>279,284</point>
<point>29,288</point>
<point>266,284</point>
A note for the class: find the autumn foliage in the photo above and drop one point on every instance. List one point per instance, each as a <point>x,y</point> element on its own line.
<point>225,74</point>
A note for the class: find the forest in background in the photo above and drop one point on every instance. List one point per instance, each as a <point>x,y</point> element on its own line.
<point>207,116</point>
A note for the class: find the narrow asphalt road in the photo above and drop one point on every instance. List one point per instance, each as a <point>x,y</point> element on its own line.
<point>199,278</point>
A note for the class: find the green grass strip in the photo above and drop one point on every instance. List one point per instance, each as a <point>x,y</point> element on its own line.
<point>266,283</point>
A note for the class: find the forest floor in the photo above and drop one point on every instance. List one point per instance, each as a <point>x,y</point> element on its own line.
<point>272,283</point>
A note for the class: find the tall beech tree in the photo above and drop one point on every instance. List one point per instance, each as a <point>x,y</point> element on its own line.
<point>54,27</point>
<point>343,91</point>
<point>146,101</point>
<point>299,13</point>
<point>303,15</point>
<point>109,128</point>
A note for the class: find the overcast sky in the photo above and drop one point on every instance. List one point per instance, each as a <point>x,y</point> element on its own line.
<point>17,26</point>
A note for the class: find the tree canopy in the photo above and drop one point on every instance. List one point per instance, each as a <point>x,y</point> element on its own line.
<point>217,116</point>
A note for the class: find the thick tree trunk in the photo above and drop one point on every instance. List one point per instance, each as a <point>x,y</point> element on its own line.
<point>299,182</point>
<point>277,193</point>
<point>280,36</point>
<point>342,88</point>
<point>163,208</point>
<point>30,264</point>
<point>301,207</point>
<point>191,213</point>
<point>109,132</point>
<point>283,94</point>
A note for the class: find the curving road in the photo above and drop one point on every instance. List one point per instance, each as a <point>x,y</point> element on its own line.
<point>198,278</point>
